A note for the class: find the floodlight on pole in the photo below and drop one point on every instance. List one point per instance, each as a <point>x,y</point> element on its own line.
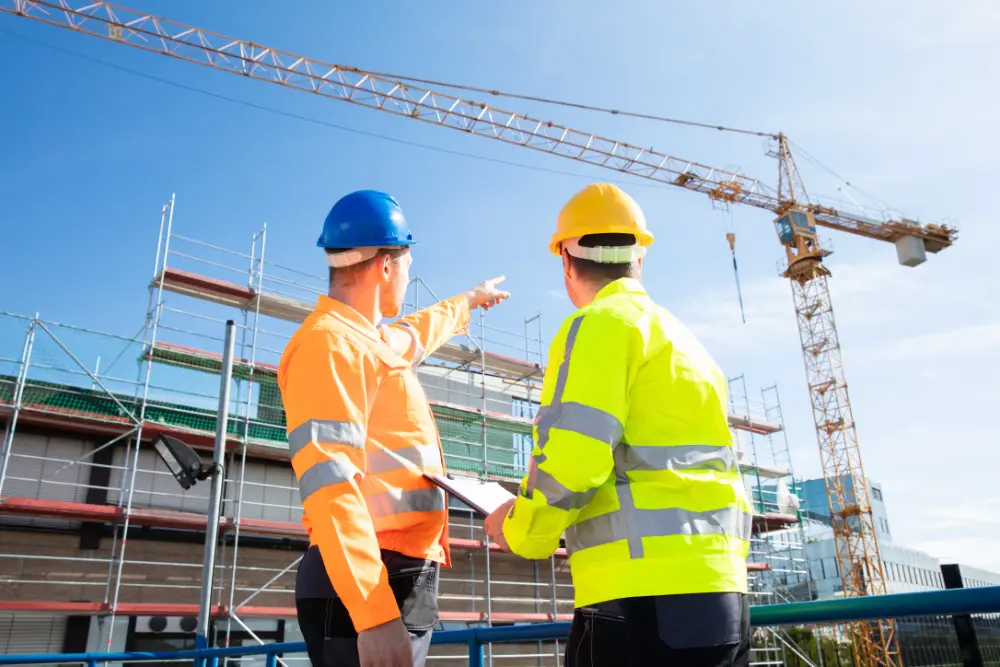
<point>182,461</point>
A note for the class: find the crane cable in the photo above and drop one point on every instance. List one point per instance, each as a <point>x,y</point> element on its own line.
<point>731,238</point>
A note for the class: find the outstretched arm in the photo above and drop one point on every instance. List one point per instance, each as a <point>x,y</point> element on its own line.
<point>420,334</point>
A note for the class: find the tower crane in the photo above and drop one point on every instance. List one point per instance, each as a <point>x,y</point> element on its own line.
<point>797,221</point>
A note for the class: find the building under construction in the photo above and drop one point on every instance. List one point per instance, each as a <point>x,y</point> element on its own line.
<point>102,547</point>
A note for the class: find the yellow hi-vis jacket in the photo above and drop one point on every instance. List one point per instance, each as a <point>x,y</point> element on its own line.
<point>633,458</point>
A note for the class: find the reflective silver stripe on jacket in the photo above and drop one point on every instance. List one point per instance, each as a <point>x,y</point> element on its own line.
<point>396,501</point>
<point>418,350</point>
<point>558,495</point>
<point>416,457</point>
<point>633,524</point>
<point>557,394</point>
<point>325,473</point>
<point>630,457</point>
<point>582,419</point>
<point>325,432</point>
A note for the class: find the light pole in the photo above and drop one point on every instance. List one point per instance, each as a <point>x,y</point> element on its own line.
<point>215,496</point>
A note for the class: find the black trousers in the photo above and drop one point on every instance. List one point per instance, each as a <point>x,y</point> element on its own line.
<point>700,630</point>
<point>327,627</point>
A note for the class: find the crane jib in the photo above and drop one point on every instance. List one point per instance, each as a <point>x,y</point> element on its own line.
<point>357,86</point>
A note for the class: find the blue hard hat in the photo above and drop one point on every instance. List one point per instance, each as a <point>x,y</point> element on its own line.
<point>364,219</point>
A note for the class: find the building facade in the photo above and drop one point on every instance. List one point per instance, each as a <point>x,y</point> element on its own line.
<point>923,641</point>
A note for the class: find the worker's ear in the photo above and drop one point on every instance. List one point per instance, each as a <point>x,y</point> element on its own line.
<point>385,266</point>
<point>567,266</point>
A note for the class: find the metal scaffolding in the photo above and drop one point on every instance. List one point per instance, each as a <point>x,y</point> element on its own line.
<point>138,533</point>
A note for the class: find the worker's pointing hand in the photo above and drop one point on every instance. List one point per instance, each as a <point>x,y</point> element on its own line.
<point>485,295</point>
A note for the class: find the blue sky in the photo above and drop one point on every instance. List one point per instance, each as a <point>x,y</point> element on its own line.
<point>899,99</point>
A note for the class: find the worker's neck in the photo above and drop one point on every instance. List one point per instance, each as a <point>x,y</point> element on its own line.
<point>362,298</point>
<point>587,291</point>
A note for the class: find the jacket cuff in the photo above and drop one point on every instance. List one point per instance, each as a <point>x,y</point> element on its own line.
<point>379,608</point>
<point>522,543</point>
<point>463,315</point>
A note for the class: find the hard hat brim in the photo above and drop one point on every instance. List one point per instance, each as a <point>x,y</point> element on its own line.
<point>388,244</point>
<point>645,239</point>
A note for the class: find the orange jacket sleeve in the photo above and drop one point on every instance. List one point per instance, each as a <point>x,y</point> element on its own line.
<point>327,387</point>
<point>420,334</point>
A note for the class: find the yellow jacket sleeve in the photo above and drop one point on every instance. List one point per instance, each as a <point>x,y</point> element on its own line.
<point>327,387</point>
<point>418,335</point>
<point>585,402</point>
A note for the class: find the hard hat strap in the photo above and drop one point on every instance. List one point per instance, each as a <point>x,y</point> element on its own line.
<point>339,260</point>
<point>604,254</point>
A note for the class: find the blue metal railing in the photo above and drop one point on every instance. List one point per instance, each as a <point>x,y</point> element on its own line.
<point>932,603</point>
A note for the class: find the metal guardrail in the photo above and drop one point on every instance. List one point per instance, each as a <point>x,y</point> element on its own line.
<point>932,603</point>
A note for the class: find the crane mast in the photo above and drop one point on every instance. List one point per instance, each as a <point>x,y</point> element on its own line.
<point>858,556</point>
<point>859,559</point>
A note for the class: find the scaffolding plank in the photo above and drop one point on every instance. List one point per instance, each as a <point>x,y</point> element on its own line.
<point>245,298</point>
<point>753,425</point>
<point>771,521</point>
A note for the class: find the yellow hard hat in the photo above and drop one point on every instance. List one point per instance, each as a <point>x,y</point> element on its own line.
<point>600,208</point>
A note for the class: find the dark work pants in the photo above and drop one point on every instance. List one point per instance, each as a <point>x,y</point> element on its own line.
<point>699,630</point>
<point>327,628</point>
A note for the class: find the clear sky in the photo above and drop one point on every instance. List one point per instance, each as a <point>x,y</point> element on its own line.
<point>900,99</point>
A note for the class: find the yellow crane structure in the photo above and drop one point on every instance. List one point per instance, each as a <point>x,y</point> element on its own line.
<point>797,220</point>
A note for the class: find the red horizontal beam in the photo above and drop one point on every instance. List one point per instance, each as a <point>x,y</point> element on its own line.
<point>197,281</point>
<point>42,607</point>
<point>62,509</point>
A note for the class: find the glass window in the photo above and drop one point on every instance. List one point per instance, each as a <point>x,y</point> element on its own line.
<point>523,444</point>
<point>524,408</point>
<point>877,493</point>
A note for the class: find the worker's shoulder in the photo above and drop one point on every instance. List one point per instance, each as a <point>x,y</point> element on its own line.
<point>622,310</point>
<point>321,335</point>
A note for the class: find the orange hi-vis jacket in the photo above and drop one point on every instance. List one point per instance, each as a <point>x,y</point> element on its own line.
<point>360,436</point>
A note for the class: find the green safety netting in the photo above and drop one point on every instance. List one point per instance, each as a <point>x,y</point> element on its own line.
<point>462,432</point>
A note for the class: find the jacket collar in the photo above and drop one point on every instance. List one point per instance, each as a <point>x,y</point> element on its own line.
<point>621,286</point>
<point>340,310</point>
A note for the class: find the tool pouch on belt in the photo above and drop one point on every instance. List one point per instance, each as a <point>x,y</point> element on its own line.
<point>414,583</point>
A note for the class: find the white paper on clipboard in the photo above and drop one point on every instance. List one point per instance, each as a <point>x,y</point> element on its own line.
<point>483,497</point>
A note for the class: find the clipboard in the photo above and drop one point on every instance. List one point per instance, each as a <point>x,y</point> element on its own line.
<point>482,497</point>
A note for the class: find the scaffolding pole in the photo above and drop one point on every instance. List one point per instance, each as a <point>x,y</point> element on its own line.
<point>22,378</point>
